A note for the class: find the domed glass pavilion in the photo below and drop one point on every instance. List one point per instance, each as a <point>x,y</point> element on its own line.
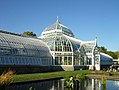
<point>66,49</point>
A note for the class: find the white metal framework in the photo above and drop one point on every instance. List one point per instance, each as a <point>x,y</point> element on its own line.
<point>18,50</point>
<point>67,50</point>
<point>56,46</point>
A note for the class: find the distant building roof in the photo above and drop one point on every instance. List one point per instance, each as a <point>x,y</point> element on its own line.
<point>106,55</point>
<point>3,31</point>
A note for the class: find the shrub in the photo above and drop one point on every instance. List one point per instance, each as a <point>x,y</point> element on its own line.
<point>5,78</point>
<point>80,77</point>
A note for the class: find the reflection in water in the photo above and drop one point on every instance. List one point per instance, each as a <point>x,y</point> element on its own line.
<point>88,84</point>
<point>116,83</point>
<point>44,85</point>
<point>112,85</point>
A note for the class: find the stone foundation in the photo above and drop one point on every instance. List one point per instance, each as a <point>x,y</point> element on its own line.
<point>91,67</point>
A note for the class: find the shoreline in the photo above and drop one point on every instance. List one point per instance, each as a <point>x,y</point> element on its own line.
<point>89,76</point>
<point>37,77</point>
<point>100,77</point>
<point>32,81</point>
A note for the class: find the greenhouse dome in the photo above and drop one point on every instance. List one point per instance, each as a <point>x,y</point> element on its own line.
<point>65,49</point>
<point>57,27</point>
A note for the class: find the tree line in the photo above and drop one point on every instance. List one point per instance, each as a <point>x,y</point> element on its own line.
<point>115,55</point>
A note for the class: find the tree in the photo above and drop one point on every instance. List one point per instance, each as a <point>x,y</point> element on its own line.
<point>117,53</point>
<point>28,34</point>
<point>112,54</point>
<point>104,50</point>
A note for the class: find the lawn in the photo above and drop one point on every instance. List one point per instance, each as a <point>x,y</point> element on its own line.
<point>48,75</point>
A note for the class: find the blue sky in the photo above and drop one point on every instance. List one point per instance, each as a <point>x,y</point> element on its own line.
<point>86,18</point>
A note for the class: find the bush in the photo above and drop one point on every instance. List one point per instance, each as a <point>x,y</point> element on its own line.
<point>80,77</point>
<point>5,79</point>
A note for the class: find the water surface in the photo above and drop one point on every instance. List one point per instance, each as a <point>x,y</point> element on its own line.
<point>88,84</point>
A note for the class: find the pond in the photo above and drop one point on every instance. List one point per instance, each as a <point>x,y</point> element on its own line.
<point>58,84</point>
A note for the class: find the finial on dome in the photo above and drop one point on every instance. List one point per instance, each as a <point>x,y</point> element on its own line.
<point>96,37</point>
<point>57,19</point>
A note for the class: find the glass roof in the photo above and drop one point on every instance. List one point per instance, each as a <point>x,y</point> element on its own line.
<point>89,46</point>
<point>57,27</point>
<point>18,45</point>
<point>62,40</point>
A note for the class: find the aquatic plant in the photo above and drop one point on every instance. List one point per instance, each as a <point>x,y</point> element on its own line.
<point>73,81</point>
<point>103,80</point>
<point>80,77</point>
<point>68,83</point>
<point>103,86</point>
<point>103,83</point>
<point>31,88</point>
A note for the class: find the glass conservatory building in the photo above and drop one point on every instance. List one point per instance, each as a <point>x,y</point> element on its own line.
<point>66,49</point>
<point>16,50</point>
<point>55,49</point>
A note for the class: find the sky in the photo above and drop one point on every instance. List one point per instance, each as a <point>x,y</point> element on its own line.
<point>87,19</point>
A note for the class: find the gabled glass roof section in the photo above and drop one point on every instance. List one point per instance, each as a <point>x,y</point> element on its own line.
<point>14,44</point>
<point>57,27</point>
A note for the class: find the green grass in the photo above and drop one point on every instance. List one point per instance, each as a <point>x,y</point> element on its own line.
<point>49,75</point>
